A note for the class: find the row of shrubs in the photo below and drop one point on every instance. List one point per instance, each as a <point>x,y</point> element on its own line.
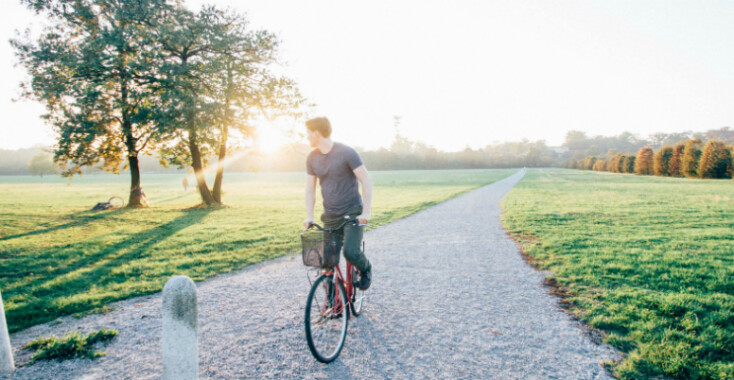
<point>689,158</point>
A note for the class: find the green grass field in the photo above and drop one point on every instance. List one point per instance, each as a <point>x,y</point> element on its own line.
<point>58,258</point>
<point>649,261</point>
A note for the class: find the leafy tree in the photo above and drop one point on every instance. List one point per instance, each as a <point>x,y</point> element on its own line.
<point>600,166</point>
<point>215,81</point>
<point>691,157</point>
<point>622,168</point>
<point>675,160</point>
<point>644,161</point>
<point>661,161</point>
<point>578,142</point>
<point>401,145</point>
<point>715,160</point>
<point>589,162</point>
<point>629,164</point>
<point>570,164</point>
<point>243,87</point>
<point>92,68</point>
<point>41,164</point>
<point>615,164</point>
<point>725,134</point>
<point>662,139</point>
<point>534,157</point>
<point>575,140</point>
<point>187,95</point>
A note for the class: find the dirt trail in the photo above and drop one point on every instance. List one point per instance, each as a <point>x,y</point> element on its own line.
<point>451,298</point>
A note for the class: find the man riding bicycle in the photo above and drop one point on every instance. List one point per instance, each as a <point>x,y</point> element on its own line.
<point>338,168</point>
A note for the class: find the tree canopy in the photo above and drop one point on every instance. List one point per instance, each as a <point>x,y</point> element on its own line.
<point>122,78</point>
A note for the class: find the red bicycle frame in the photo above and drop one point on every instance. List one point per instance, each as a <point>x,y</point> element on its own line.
<point>348,285</point>
<point>336,274</point>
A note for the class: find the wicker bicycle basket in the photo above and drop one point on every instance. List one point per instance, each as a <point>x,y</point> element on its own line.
<point>320,248</point>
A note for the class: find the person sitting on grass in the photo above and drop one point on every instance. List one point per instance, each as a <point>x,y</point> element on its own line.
<point>338,168</point>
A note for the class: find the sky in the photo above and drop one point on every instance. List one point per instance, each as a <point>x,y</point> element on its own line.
<point>472,73</point>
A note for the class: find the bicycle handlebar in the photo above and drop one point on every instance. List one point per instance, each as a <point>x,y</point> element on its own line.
<point>344,223</point>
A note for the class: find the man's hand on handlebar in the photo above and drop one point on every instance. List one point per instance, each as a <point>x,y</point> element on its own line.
<point>308,222</point>
<point>364,219</point>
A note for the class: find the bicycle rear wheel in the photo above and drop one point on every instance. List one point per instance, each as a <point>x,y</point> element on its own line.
<point>327,318</point>
<point>358,296</point>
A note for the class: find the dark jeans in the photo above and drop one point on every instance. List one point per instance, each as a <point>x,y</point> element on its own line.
<point>352,238</point>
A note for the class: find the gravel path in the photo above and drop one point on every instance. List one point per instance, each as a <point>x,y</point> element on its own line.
<point>451,298</point>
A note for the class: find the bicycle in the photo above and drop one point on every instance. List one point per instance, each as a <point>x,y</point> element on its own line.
<point>332,296</point>
<point>113,203</point>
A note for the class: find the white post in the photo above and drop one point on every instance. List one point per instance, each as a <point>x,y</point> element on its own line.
<point>6,350</point>
<point>180,351</point>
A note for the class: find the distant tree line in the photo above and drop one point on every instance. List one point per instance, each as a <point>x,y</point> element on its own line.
<point>404,153</point>
<point>39,158</point>
<point>121,79</point>
<point>688,158</point>
<point>577,145</point>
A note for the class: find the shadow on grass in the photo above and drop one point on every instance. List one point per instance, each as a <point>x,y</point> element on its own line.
<point>40,300</point>
<point>169,199</point>
<point>80,218</point>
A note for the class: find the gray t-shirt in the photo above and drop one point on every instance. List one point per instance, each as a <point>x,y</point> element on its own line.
<point>339,186</point>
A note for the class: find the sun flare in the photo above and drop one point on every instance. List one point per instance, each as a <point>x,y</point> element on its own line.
<point>269,139</point>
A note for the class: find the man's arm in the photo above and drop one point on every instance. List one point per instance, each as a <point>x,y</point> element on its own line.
<point>310,199</point>
<point>364,177</point>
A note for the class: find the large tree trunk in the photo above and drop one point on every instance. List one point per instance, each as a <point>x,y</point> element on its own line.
<point>223,143</point>
<point>135,190</point>
<point>217,190</point>
<point>132,152</point>
<point>132,159</point>
<point>206,195</point>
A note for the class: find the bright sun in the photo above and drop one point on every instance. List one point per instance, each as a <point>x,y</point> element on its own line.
<point>269,139</point>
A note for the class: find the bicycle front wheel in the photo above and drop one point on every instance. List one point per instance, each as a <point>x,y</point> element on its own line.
<point>327,318</point>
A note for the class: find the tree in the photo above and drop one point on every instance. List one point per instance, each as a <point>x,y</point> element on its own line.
<point>534,155</point>
<point>644,161</point>
<point>615,164</point>
<point>600,166</point>
<point>214,81</point>
<point>401,145</point>
<point>691,157</point>
<point>662,139</point>
<point>186,94</point>
<point>621,168</point>
<point>575,140</point>
<point>661,161</point>
<point>629,164</point>
<point>715,160</point>
<point>675,160</point>
<point>243,86</point>
<point>589,162</point>
<point>92,68</point>
<point>41,164</point>
<point>725,134</point>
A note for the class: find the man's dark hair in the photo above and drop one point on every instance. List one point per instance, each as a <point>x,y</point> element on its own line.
<point>320,124</point>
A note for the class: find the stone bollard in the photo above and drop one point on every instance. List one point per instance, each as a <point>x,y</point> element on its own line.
<point>6,350</point>
<point>180,345</point>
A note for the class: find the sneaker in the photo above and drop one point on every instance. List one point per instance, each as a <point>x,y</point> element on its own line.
<point>365,280</point>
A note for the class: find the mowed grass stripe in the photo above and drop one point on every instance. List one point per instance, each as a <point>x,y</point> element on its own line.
<point>58,258</point>
<point>647,260</point>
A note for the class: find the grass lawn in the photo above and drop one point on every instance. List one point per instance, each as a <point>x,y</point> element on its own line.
<point>58,258</point>
<point>649,261</point>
